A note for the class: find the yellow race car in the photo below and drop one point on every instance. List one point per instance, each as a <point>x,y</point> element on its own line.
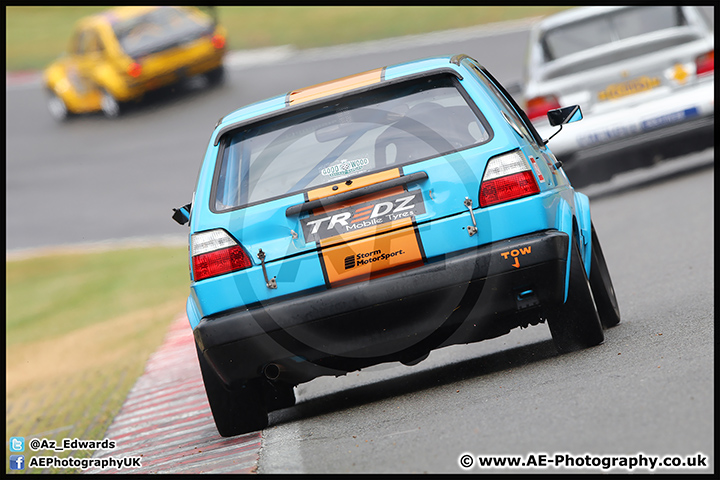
<point>118,55</point>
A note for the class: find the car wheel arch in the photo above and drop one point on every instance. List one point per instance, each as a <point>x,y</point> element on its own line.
<point>584,226</point>
<point>567,222</point>
<point>193,312</point>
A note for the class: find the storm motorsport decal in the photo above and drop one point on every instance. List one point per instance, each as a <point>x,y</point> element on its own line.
<point>369,257</point>
<point>362,215</point>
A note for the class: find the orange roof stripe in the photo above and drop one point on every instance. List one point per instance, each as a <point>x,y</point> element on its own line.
<point>335,86</point>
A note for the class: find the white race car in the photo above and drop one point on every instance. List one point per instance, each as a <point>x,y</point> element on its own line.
<point>643,76</point>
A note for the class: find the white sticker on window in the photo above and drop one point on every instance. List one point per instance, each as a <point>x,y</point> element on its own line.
<point>345,167</point>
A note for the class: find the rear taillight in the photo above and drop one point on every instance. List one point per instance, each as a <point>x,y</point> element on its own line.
<point>218,41</point>
<point>215,252</point>
<point>134,69</point>
<point>705,64</point>
<point>507,177</point>
<point>538,107</point>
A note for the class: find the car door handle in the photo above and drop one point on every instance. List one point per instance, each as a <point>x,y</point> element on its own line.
<point>345,196</point>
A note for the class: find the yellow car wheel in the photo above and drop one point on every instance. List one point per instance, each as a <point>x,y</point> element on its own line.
<point>109,105</point>
<point>56,106</point>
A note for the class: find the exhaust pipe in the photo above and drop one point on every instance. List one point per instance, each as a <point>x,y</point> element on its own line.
<point>272,371</point>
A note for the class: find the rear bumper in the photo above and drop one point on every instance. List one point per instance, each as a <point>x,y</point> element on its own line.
<point>599,163</point>
<point>659,136</point>
<point>465,297</point>
<point>618,124</point>
<point>175,75</point>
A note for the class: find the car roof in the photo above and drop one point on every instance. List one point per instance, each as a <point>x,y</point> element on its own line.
<point>115,14</point>
<point>577,14</point>
<point>574,15</point>
<point>428,66</point>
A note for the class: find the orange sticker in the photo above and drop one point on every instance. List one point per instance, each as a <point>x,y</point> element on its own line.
<point>368,236</point>
<point>372,257</point>
<point>335,86</point>
<point>354,184</point>
<point>515,254</point>
<point>339,217</point>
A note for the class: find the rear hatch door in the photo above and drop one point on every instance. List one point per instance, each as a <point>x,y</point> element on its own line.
<point>350,179</point>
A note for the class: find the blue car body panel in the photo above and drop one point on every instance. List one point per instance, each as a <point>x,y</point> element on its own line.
<point>441,229</point>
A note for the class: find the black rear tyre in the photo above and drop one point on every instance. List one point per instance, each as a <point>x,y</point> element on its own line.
<point>575,324</point>
<point>235,410</point>
<point>216,77</point>
<point>602,287</point>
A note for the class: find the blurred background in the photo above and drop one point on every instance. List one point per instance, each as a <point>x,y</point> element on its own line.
<point>119,179</point>
<point>89,179</point>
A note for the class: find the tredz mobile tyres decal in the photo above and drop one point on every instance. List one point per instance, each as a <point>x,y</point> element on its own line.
<point>372,237</point>
<point>362,215</point>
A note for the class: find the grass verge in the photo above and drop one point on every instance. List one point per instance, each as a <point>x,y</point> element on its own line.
<point>80,328</point>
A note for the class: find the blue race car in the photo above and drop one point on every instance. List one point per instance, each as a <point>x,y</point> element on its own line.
<point>373,219</point>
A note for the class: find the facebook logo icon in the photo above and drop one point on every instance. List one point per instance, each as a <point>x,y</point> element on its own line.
<point>17,462</point>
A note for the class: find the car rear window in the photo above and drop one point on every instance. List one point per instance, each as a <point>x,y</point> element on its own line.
<point>615,26</point>
<point>355,135</point>
<point>158,30</point>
